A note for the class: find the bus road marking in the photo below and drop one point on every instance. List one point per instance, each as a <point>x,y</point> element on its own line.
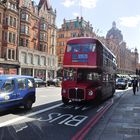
<point>66,119</point>
<point>29,115</point>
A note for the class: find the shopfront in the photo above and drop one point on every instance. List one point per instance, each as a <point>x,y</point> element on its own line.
<point>8,69</point>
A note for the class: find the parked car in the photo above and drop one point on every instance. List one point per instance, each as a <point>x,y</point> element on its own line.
<point>54,82</point>
<point>129,83</point>
<point>40,83</point>
<point>121,83</point>
<point>16,90</point>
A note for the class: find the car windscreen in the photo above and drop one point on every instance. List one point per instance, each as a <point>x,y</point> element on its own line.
<point>1,82</point>
<point>120,80</point>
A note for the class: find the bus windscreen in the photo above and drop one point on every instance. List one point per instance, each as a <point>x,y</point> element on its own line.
<point>90,47</point>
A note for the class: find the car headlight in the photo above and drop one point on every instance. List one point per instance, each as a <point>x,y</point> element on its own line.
<point>90,92</point>
<point>63,90</point>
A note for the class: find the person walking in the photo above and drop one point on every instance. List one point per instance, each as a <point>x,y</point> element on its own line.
<point>135,85</point>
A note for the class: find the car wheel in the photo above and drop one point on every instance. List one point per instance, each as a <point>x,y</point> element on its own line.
<point>28,104</point>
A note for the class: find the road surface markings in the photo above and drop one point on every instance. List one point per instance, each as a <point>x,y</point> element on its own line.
<point>66,119</point>
<point>20,127</point>
<point>82,133</point>
<point>27,116</point>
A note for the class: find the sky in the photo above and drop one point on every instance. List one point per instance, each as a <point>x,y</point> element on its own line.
<point>101,14</point>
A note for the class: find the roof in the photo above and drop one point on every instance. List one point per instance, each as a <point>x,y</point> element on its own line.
<point>14,76</point>
<point>46,2</point>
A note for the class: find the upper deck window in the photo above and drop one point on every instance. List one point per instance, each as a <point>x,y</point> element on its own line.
<point>81,47</point>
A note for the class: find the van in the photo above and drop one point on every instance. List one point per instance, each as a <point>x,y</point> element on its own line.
<point>16,90</point>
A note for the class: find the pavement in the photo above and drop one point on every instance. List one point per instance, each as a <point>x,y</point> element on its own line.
<point>122,120</point>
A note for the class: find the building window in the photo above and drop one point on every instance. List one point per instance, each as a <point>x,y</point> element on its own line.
<point>23,57</point>
<point>43,37</point>
<point>27,43</point>
<point>24,29</point>
<point>14,38</point>
<point>11,21</point>
<point>43,62</point>
<point>37,61</point>
<point>30,58</point>
<point>21,42</point>
<point>43,26</point>
<point>10,37</point>
<point>5,36</point>
<point>25,16</point>
<point>13,54</point>
<point>14,22</point>
<point>6,21</point>
<point>61,36</point>
<point>9,54</point>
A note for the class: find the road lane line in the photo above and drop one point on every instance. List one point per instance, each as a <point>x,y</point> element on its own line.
<point>100,108</point>
<point>27,116</point>
<point>82,133</point>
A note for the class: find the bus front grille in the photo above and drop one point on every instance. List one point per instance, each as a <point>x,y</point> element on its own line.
<point>76,93</point>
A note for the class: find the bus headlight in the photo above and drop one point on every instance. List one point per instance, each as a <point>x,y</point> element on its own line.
<point>63,90</point>
<point>90,92</point>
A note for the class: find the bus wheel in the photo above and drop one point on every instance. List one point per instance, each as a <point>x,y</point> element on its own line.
<point>98,97</point>
<point>65,100</point>
<point>28,104</point>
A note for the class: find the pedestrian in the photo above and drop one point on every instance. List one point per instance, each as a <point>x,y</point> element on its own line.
<point>135,85</point>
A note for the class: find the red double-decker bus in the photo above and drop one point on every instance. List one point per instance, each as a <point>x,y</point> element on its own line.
<point>88,71</point>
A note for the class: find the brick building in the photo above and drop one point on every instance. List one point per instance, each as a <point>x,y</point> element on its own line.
<point>8,37</point>
<point>127,59</point>
<point>31,37</point>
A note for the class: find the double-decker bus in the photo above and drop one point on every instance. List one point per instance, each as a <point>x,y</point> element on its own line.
<point>88,71</point>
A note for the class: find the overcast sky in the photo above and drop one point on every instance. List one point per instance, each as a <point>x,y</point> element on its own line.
<point>101,14</point>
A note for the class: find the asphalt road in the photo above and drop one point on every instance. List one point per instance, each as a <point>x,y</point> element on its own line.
<point>50,119</point>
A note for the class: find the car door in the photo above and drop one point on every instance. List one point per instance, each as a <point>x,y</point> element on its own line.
<point>9,91</point>
<point>22,88</point>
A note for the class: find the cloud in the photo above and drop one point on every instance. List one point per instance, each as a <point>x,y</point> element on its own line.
<point>83,3</point>
<point>132,21</point>
<point>76,14</point>
<point>88,3</point>
<point>68,3</point>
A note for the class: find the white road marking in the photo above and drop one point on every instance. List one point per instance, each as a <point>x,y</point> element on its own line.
<point>29,115</point>
<point>20,127</point>
<point>100,108</point>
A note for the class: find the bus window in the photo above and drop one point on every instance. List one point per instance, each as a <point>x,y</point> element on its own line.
<point>69,74</point>
<point>88,47</point>
<point>86,75</point>
<point>81,47</point>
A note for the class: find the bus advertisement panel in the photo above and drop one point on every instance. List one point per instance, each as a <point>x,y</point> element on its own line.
<point>88,71</point>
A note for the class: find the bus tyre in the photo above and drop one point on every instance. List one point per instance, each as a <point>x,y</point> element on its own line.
<point>98,97</point>
<point>28,104</point>
<point>65,100</point>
